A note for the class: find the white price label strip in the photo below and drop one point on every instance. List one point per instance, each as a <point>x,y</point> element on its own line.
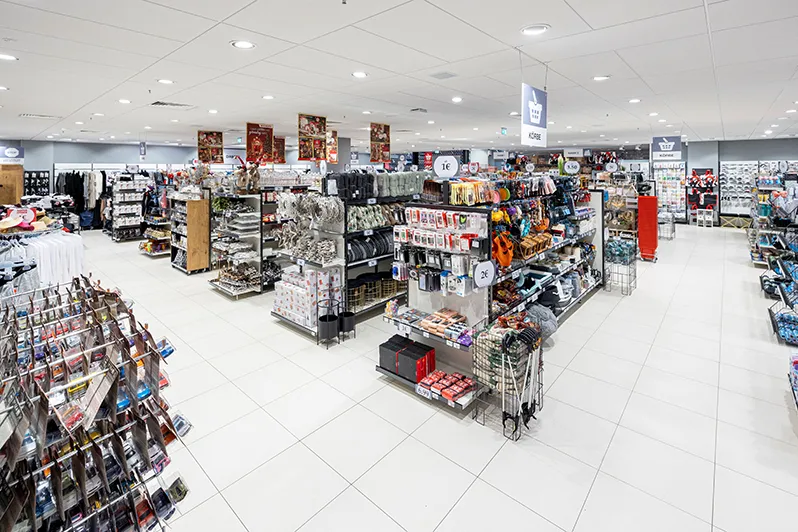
<point>368,232</point>
<point>301,262</point>
<point>372,263</point>
<point>371,201</point>
<point>423,392</point>
<point>426,334</point>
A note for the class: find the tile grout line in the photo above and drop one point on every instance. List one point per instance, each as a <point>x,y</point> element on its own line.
<point>612,438</point>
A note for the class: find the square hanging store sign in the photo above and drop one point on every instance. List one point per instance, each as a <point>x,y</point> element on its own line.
<point>278,150</point>
<point>380,143</point>
<point>210,147</point>
<point>534,112</point>
<point>666,148</point>
<point>427,160</point>
<point>332,147</point>
<point>312,133</point>
<point>260,143</point>
<point>12,155</point>
<point>574,152</point>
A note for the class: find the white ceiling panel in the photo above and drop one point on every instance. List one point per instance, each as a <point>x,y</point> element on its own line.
<point>452,40</point>
<point>267,87</point>
<point>301,22</point>
<point>604,14</point>
<point>755,43</point>
<point>557,13</point>
<point>754,73</point>
<point>583,69</point>
<point>328,65</point>
<point>481,86</point>
<point>667,27</point>
<point>535,76</point>
<point>212,9</point>
<point>38,22</point>
<point>213,49</point>
<point>679,82</point>
<point>135,15</point>
<point>494,62</point>
<point>183,75</point>
<point>668,57</point>
<point>735,13</point>
<point>372,49</point>
<point>20,44</point>
<point>292,75</point>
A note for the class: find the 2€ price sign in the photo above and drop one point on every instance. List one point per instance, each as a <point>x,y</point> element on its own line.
<point>446,166</point>
<point>484,274</point>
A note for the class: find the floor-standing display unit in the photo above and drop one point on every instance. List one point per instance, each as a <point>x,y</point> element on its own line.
<point>670,178</point>
<point>472,281</point>
<point>237,246</point>
<point>36,183</point>
<point>737,179</point>
<point>127,197</point>
<point>191,232</point>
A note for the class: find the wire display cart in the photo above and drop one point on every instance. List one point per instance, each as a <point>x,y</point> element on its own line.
<point>621,266</point>
<point>667,225</point>
<point>510,362</point>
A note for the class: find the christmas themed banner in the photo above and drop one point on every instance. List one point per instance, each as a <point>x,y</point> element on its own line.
<point>312,133</point>
<point>210,147</point>
<point>380,143</point>
<point>279,150</point>
<point>260,139</point>
<point>332,147</point>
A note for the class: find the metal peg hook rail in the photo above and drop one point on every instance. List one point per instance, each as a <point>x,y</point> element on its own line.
<point>55,337</point>
<point>48,287</point>
<point>46,297</point>
<point>65,359</point>
<point>84,312</point>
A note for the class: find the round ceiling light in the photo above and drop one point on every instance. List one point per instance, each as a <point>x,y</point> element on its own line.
<point>268,97</point>
<point>601,78</point>
<point>124,101</point>
<point>634,100</point>
<point>165,81</point>
<point>430,121</point>
<point>457,99</point>
<point>147,127</point>
<point>790,111</point>
<point>535,29</point>
<point>3,88</point>
<point>212,111</point>
<point>514,113</point>
<point>360,75</point>
<point>768,132</point>
<point>78,123</point>
<point>98,114</point>
<point>242,45</point>
<point>366,112</point>
<point>661,120</point>
<point>6,57</point>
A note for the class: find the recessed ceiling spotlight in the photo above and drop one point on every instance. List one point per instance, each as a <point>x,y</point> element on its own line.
<point>457,99</point>
<point>601,78</point>
<point>476,129</point>
<point>764,136</point>
<point>127,132</point>
<point>616,138</point>
<point>684,136</point>
<point>583,131</point>
<point>514,113</point>
<point>359,75</point>
<point>102,138</point>
<point>268,97</point>
<point>443,136</point>
<point>242,45</point>
<point>653,114</point>
<point>49,136</point>
<point>626,142</point>
<point>535,29</point>
<point>147,127</point>
<point>212,111</point>
<point>123,101</point>
<point>98,114</point>
<point>768,132</point>
<point>782,118</point>
<point>634,100</point>
<point>417,133</point>
<point>113,137</point>
<point>791,111</point>
<point>3,88</point>
<point>669,125</point>
<point>491,142</point>
<point>661,120</point>
<point>774,125</point>
<point>513,144</point>
<point>559,142</point>
<point>602,136</point>
<point>568,127</point>
<point>430,121</point>
<point>412,145</point>
<point>366,112</point>
<point>78,123</point>
<point>6,57</point>
<point>174,120</point>
<point>165,81</point>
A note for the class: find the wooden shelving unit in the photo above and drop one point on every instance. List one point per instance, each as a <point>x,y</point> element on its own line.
<point>197,235</point>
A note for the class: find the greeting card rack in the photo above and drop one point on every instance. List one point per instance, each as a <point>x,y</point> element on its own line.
<point>84,428</point>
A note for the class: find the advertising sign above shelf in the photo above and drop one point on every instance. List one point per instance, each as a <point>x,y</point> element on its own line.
<point>666,148</point>
<point>534,116</point>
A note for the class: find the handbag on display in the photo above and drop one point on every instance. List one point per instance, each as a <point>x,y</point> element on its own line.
<point>503,250</point>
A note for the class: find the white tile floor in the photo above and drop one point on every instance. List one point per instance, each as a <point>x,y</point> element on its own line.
<point>666,410</point>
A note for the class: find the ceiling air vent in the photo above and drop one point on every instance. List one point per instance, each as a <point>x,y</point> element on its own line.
<point>418,110</point>
<point>333,122</point>
<point>40,117</point>
<point>172,105</point>
<point>402,130</point>
<point>443,75</point>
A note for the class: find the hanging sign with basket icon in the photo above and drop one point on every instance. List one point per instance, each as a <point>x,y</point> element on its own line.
<point>534,104</point>
<point>666,148</point>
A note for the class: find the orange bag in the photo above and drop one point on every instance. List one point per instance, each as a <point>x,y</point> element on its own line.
<point>503,250</point>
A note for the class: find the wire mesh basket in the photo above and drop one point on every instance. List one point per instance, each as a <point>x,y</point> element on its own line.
<point>623,276</point>
<point>667,226</point>
<point>356,296</point>
<point>509,362</point>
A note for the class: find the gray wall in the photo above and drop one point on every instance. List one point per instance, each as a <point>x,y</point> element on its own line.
<point>344,145</point>
<point>81,152</point>
<point>38,155</point>
<point>758,150</point>
<point>703,155</point>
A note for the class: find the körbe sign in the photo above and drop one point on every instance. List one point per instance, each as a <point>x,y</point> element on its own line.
<point>534,116</point>
<point>666,148</point>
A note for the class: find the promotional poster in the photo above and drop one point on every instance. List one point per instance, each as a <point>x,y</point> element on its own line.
<point>210,147</point>
<point>332,147</point>
<point>380,143</point>
<point>260,138</point>
<point>279,150</point>
<point>312,133</point>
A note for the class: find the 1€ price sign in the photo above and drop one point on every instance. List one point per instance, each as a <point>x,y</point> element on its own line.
<point>446,166</point>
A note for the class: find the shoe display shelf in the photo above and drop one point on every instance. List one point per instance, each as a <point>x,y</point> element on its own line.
<point>86,429</point>
<point>450,316</point>
<point>670,179</point>
<point>190,215</point>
